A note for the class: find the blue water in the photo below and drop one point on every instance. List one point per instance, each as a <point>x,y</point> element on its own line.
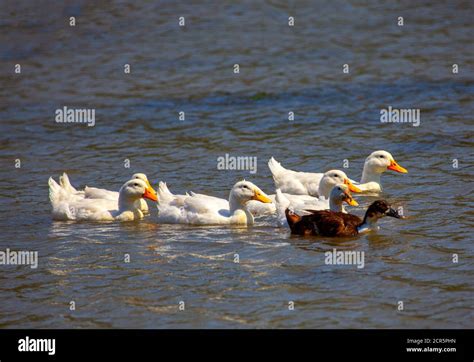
<point>282,69</point>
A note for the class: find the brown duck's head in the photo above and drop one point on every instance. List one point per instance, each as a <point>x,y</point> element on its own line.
<point>381,208</point>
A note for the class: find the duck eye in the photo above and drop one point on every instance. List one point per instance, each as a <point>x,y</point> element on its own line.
<point>382,156</point>
<point>135,184</point>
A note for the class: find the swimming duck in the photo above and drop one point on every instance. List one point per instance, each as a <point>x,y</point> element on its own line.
<point>98,193</point>
<point>200,209</point>
<point>307,183</point>
<point>66,206</point>
<point>339,194</point>
<point>329,223</point>
<point>299,201</point>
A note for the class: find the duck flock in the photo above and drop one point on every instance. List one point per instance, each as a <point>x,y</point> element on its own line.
<point>307,203</point>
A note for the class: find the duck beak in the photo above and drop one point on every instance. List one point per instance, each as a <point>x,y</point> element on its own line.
<point>394,213</point>
<point>350,200</point>
<point>150,187</point>
<point>351,186</point>
<point>150,194</point>
<point>394,166</point>
<point>260,196</point>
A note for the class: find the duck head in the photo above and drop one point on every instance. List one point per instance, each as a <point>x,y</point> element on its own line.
<point>134,190</point>
<point>244,191</point>
<point>332,178</point>
<point>142,176</point>
<point>381,161</point>
<point>377,210</point>
<point>341,193</point>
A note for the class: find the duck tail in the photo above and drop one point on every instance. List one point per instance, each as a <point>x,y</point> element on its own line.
<point>59,199</point>
<point>66,184</point>
<point>57,194</point>
<point>275,167</point>
<point>164,194</point>
<point>291,217</point>
<point>54,190</point>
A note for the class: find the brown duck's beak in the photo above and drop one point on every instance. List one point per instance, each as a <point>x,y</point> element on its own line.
<point>394,166</point>
<point>259,196</point>
<point>150,194</point>
<point>394,213</point>
<point>351,186</point>
<point>350,200</point>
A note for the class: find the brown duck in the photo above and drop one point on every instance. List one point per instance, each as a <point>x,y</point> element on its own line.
<point>330,223</point>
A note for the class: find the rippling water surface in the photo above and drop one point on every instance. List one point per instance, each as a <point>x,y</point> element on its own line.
<point>282,69</point>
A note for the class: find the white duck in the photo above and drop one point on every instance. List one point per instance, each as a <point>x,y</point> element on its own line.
<point>339,194</point>
<point>325,185</point>
<point>375,165</point>
<point>307,183</point>
<point>199,209</point>
<point>98,193</point>
<point>67,206</point>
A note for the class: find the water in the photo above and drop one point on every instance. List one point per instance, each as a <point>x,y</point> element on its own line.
<point>282,69</point>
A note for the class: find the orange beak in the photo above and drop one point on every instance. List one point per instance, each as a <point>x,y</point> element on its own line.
<point>261,197</point>
<point>394,166</point>
<point>150,187</point>
<point>150,194</point>
<point>350,200</point>
<point>351,186</point>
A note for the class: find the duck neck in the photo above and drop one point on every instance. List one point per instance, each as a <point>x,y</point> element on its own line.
<point>369,223</point>
<point>324,190</point>
<point>336,205</point>
<point>127,203</point>
<point>369,175</point>
<point>236,205</point>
